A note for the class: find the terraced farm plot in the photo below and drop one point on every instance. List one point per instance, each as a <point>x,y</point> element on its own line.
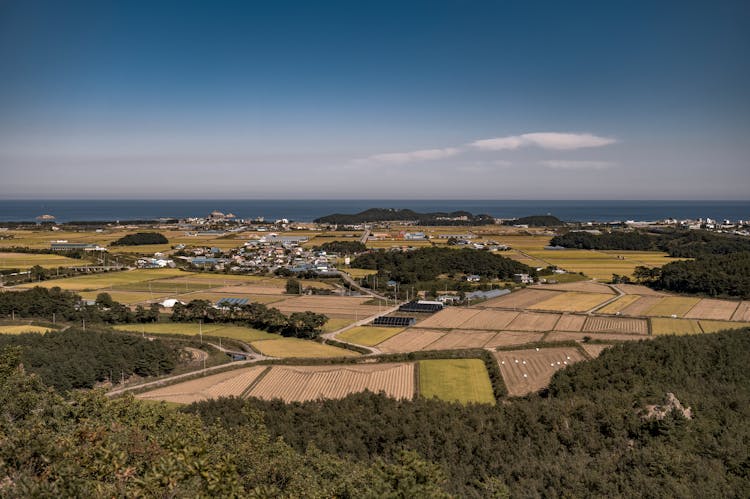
<point>743,312</point>
<point>521,299</point>
<point>637,289</point>
<point>332,306</point>
<point>224,384</point>
<point>451,317</point>
<point>594,350</point>
<point>246,334</point>
<point>569,322</point>
<point>641,305</point>
<point>531,321</point>
<point>528,371</point>
<point>304,383</point>
<point>368,335</point>
<point>713,309</point>
<point>23,328</point>
<point>25,261</point>
<point>513,338</point>
<point>572,301</point>
<point>580,286</point>
<point>494,320</point>
<point>125,297</point>
<point>462,338</point>
<point>106,279</point>
<point>293,347</point>
<point>619,304</point>
<point>460,380</point>
<point>411,340</point>
<point>672,305</point>
<point>715,326</point>
<point>573,336</point>
<point>615,325</point>
<point>662,325</point>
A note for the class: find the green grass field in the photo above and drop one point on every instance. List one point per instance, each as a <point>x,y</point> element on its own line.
<point>293,347</point>
<point>368,335</point>
<point>462,380</point>
<point>246,334</point>
<point>27,260</point>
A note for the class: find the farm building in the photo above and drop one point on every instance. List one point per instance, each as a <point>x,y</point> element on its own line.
<point>523,278</point>
<point>486,295</point>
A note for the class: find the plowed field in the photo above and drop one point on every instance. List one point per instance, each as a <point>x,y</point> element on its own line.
<point>572,336</point>
<point>368,335</point>
<point>672,305</point>
<point>637,289</point>
<point>713,309</point>
<point>661,325</point>
<point>303,383</point>
<point>581,286</point>
<point>462,339</point>
<point>570,323</point>
<point>410,340</point>
<point>521,299</point>
<point>513,338</point>
<point>450,317</point>
<point>572,301</point>
<point>743,312</point>
<point>333,306</point>
<point>216,385</point>
<point>616,325</point>
<point>641,305</point>
<point>528,371</point>
<point>619,304</point>
<point>490,319</point>
<point>530,321</point>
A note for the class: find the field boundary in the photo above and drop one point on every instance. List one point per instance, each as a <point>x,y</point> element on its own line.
<point>417,389</point>
<point>245,393</point>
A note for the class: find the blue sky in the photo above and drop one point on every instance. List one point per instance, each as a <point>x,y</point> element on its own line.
<point>439,99</point>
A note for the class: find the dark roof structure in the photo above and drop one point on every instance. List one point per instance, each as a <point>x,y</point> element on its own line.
<point>225,302</point>
<point>425,308</point>
<point>387,321</point>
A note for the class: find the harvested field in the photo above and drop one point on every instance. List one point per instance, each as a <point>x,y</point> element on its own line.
<point>450,317</point>
<point>105,280</point>
<point>743,312</point>
<point>580,286</point>
<point>619,304</point>
<point>459,339</point>
<point>368,335</point>
<point>521,299</point>
<point>461,380</point>
<point>572,336</point>
<point>410,340</point>
<point>293,347</point>
<point>641,305</point>
<point>528,371</point>
<point>335,324</point>
<point>125,297</point>
<point>513,338</point>
<point>241,333</point>
<point>495,320</point>
<point>594,350</point>
<point>252,289</point>
<point>637,289</point>
<point>672,305</point>
<point>214,297</point>
<point>616,325</point>
<point>22,328</point>
<point>24,261</point>
<point>572,301</point>
<point>661,325</point>
<point>304,383</point>
<point>531,321</point>
<point>333,306</point>
<point>713,309</point>
<point>715,326</point>
<point>570,323</point>
<point>223,384</point>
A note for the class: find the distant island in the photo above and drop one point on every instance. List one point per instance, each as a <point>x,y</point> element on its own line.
<point>392,214</point>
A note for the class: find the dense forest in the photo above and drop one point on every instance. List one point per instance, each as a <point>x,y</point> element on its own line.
<point>91,446</point>
<point>141,238</point>
<point>426,264</point>
<point>590,434</point>
<point>76,359</point>
<point>391,214</point>
<point>536,221</point>
<point>343,247</point>
<point>63,305</point>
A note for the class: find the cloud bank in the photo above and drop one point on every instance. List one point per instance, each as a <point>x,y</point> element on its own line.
<point>576,164</point>
<point>398,158</point>
<point>545,140</point>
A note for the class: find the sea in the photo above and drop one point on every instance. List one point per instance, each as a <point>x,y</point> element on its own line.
<point>308,210</point>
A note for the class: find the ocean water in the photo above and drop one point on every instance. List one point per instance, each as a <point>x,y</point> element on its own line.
<point>307,210</point>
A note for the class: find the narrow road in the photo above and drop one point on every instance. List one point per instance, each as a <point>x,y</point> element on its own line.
<point>619,295</point>
<point>359,288</point>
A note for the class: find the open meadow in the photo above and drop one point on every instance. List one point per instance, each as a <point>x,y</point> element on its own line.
<point>459,380</point>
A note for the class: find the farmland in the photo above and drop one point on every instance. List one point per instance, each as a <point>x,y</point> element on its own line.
<point>715,326</point>
<point>713,309</point>
<point>106,280</point>
<point>225,384</point>
<point>241,333</point>
<point>672,305</point>
<point>368,336</point>
<point>293,347</point>
<point>333,306</point>
<point>522,299</point>
<point>528,371</point>
<point>619,304</point>
<point>743,312</point>
<point>303,383</point>
<point>410,340</point>
<point>616,325</point>
<point>661,325</point>
<point>572,301</point>
<point>24,261</point>
<point>462,380</point>
<point>22,328</point>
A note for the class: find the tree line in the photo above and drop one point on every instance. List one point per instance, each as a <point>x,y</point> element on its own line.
<point>140,238</point>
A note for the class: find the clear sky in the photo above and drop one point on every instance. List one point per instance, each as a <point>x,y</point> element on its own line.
<point>315,99</point>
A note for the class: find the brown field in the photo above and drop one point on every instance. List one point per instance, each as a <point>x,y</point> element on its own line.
<point>572,301</point>
<point>513,338</point>
<point>743,312</point>
<point>572,336</point>
<point>410,340</point>
<point>450,317</point>
<point>616,325</point>
<point>490,319</point>
<point>531,321</point>
<point>528,371</point>
<point>713,309</point>
<point>333,306</point>
<point>125,297</point>
<point>461,339</point>
<point>715,326</point>
<point>594,350</point>
<point>641,305</point>
<point>570,323</point>
<point>619,304</point>
<point>637,289</point>
<point>521,299</point>
<point>304,383</point>
<point>662,325</point>
<point>672,305</point>
<point>581,286</point>
<point>216,385</point>
<point>252,289</point>
<point>214,297</point>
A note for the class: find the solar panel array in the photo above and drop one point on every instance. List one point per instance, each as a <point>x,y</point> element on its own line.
<point>414,306</point>
<point>225,302</point>
<point>394,321</point>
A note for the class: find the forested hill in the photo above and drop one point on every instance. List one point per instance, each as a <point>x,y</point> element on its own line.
<point>536,221</point>
<point>589,436</point>
<point>391,214</point>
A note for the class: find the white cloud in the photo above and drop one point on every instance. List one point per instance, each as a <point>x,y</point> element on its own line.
<point>398,158</point>
<point>545,140</point>
<point>560,164</point>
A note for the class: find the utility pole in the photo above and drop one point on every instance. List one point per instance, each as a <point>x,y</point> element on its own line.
<point>200,330</point>
<point>83,321</point>
<point>53,318</point>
